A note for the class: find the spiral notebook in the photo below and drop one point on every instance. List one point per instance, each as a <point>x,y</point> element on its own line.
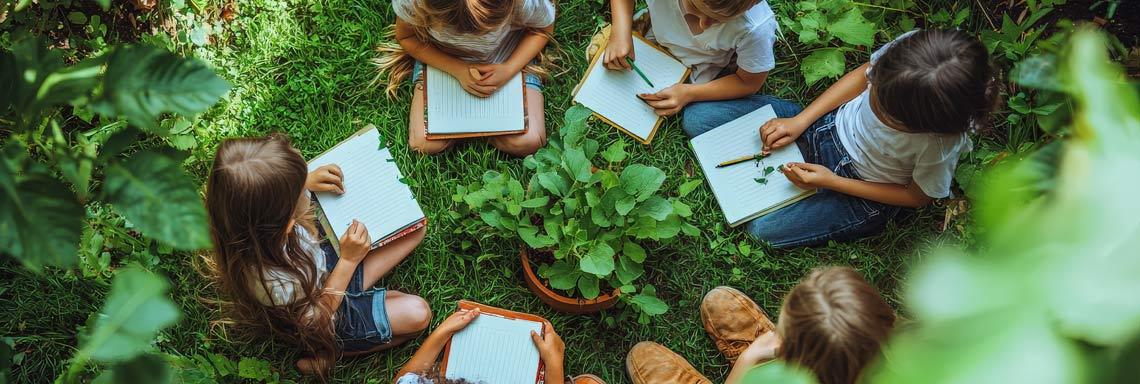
<point>612,94</point>
<point>741,196</point>
<point>375,193</point>
<point>454,113</point>
<point>496,347</point>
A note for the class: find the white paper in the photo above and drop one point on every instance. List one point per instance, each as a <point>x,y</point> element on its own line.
<point>494,349</point>
<point>373,191</point>
<point>451,110</point>
<point>735,187</point>
<point>613,93</point>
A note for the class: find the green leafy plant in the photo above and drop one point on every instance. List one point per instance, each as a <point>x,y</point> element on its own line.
<point>49,173</point>
<point>593,221</point>
<point>832,27</point>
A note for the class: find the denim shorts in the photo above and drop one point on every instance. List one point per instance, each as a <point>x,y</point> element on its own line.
<point>532,80</point>
<point>361,320</point>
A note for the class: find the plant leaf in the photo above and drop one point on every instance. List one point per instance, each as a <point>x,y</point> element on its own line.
<point>554,183</point>
<point>562,275</point>
<point>648,303</point>
<point>853,28</point>
<point>777,372</point>
<point>589,287</point>
<point>656,207</point>
<point>256,369</point>
<point>823,63</point>
<point>599,261</point>
<point>136,310</point>
<point>41,223</point>
<point>641,181</point>
<point>535,202</point>
<point>615,153</point>
<point>145,368</point>
<point>689,186</point>
<point>634,251</point>
<point>577,164</point>
<point>153,192</point>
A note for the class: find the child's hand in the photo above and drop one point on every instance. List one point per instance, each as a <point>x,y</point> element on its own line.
<point>761,350</point>
<point>327,178</point>
<point>617,50</point>
<point>469,79</point>
<point>457,321</point>
<point>808,175</point>
<point>777,133</point>
<point>494,75</point>
<point>550,346</point>
<point>355,243</point>
<point>668,101</point>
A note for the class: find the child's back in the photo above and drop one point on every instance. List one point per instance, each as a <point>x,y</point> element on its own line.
<point>747,37</point>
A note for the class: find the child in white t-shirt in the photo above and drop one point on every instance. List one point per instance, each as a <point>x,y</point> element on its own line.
<point>727,44</point>
<point>885,137</point>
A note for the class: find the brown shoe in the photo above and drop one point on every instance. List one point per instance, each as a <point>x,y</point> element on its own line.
<point>733,320</point>
<point>587,379</point>
<point>652,363</point>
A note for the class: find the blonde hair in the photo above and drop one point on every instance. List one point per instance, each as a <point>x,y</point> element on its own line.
<point>724,9</point>
<point>834,323</point>
<point>465,16</point>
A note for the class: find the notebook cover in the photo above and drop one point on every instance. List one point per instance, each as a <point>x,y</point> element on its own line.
<point>448,136</point>
<point>487,309</point>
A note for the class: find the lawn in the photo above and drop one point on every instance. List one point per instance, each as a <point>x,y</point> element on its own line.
<point>303,68</point>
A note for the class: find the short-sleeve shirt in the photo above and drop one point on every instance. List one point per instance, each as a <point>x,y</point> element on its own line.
<point>282,286</point>
<point>749,37</point>
<point>412,378</point>
<point>886,155</point>
<point>492,47</point>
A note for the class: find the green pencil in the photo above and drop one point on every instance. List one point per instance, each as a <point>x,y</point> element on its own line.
<point>639,72</point>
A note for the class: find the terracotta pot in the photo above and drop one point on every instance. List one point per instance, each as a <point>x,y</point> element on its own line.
<point>557,301</point>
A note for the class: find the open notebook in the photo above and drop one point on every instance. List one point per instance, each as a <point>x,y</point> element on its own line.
<point>373,194</point>
<point>740,196</point>
<point>612,94</point>
<point>454,113</point>
<point>495,348</point>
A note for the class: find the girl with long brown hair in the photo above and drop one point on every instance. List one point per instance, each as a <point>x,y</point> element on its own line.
<point>833,323</point>
<point>280,279</point>
<point>482,44</point>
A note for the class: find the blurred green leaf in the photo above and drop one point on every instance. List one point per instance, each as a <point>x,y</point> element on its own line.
<point>823,63</point>
<point>135,311</point>
<point>153,192</point>
<point>777,372</point>
<point>853,28</point>
<point>40,220</point>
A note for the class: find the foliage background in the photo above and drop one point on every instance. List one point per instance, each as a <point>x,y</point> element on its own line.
<point>302,68</point>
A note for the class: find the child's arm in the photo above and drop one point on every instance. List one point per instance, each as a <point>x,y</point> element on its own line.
<point>553,353</point>
<point>779,132</point>
<point>495,75</point>
<point>671,100</point>
<point>761,350</point>
<point>620,45</point>
<point>354,246</point>
<point>427,54</point>
<point>812,176</point>
<point>429,351</point>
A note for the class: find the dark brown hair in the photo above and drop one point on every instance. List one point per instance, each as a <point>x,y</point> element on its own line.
<point>834,324</point>
<point>254,191</point>
<point>935,81</point>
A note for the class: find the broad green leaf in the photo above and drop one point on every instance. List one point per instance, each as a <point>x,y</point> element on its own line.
<point>554,183</point>
<point>615,153</point>
<point>641,181</point>
<point>634,251</point>
<point>853,28</point>
<point>1038,72</point>
<point>589,286</point>
<point>577,113</point>
<point>143,82</point>
<point>69,84</point>
<point>689,186</point>
<point>136,310</point>
<point>648,303</point>
<point>656,207</point>
<point>146,368</point>
<point>40,221</point>
<point>535,202</point>
<point>153,192</point>
<point>628,270</point>
<point>577,164</point>
<point>533,239</point>
<point>106,4</point>
<point>599,261</point>
<point>562,275</point>
<point>822,63</point>
<point>777,371</point>
<point>668,228</point>
<point>682,209</point>
<point>625,205</point>
<point>256,369</point>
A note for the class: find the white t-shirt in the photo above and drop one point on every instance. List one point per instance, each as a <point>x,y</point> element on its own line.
<point>282,287</point>
<point>883,154</point>
<point>491,47</point>
<point>750,37</point>
<point>412,378</point>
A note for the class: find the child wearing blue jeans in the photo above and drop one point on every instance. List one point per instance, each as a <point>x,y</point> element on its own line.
<point>885,137</point>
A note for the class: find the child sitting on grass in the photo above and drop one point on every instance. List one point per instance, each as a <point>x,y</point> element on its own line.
<point>886,137</point>
<point>422,368</point>
<point>482,44</point>
<point>280,279</point>
<point>728,44</point>
<point>833,323</point>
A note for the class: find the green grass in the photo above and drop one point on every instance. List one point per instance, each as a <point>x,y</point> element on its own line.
<point>303,69</point>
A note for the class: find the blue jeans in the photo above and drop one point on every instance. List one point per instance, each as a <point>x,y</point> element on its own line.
<point>362,319</point>
<point>826,215</point>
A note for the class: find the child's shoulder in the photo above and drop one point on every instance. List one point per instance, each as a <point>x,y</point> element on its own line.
<point>760,19</point>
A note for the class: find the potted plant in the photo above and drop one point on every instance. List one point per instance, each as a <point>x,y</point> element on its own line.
<point>582,226</point>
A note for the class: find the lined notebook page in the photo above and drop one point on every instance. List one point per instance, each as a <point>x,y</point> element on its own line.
<point>736,190</point>
<point>494,349</point>
<point>613,93</point>
<point>373,191</point>
<point>452,110</point>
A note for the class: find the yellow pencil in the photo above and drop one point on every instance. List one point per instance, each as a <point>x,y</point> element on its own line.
<point>740,160</point>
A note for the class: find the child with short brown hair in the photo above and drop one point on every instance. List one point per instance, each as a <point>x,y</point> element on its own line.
<point>833,323</point>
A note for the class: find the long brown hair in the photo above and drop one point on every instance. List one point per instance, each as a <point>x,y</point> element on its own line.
<point>834,323</point>
<point>254,191</point>
<point>473,17</point>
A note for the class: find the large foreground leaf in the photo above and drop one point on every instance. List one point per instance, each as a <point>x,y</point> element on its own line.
<point>136,310</point>
<point>823,63</point>
<point>152,191</point>
<point>40,220</point>
<point>143,82</point>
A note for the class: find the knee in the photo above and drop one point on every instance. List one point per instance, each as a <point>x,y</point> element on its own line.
<point>427,147</point>
<point>417,314</point>
<point>521,146</point>
<point>695,120</point>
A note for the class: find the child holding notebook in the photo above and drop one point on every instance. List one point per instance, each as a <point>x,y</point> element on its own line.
<point>423,369</point>
<point>886,137</point>
<point>280,279</point>
<point>728,44</point>
<point>482,44</point>
<point>833,323</point>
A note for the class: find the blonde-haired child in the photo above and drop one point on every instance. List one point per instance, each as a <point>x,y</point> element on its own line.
<point>481,43</point>
<point>728,44</point>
